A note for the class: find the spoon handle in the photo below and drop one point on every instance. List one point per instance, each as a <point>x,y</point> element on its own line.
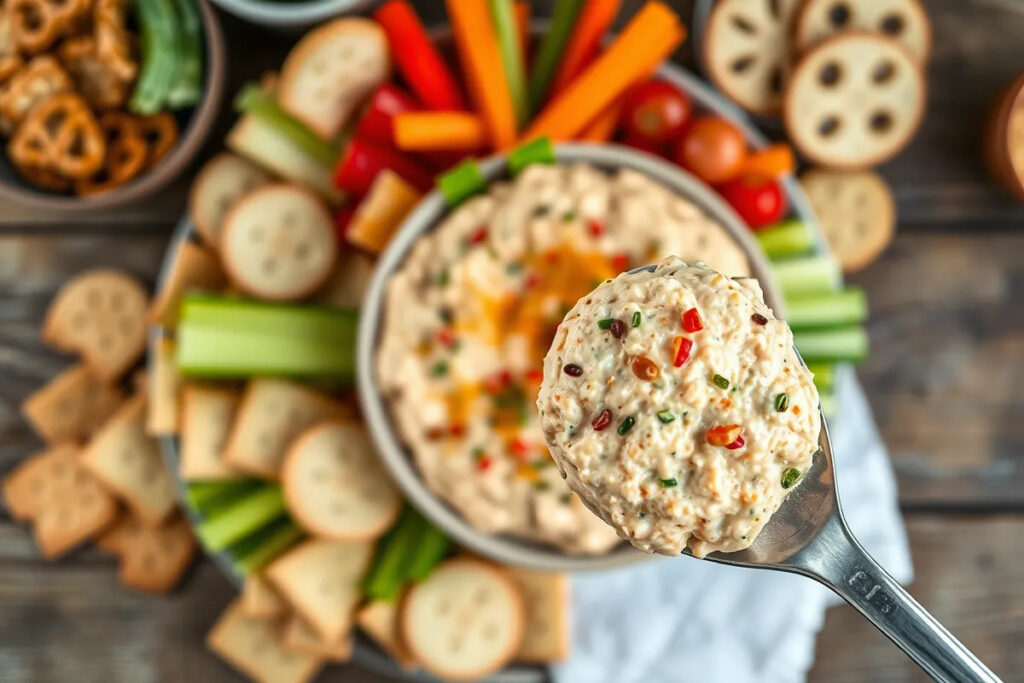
<point>844,566</point>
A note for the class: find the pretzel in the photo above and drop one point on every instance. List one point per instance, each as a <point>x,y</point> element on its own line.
<point>113,46</point>
<point>42,76</point>
<point>60,134</point>
<point>161,133</point>
<point>44,178</point>
<point>125,159</point>
<point>10,60</point>
<point>10,65</point>
<point>35,24</point>
<point>94,78</point>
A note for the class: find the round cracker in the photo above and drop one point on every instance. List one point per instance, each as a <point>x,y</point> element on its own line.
<point>463,622</point>
<point>854,101</point>
<point>335,486</point>
<point>746,51</point>
<point>278,242</point>
<point>902,20</point>
<point>220,183</point>
<point>1004,139</point>
<point>856,212</point>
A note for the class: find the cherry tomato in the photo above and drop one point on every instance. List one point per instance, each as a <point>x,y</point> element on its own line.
<point>658,149</point>
<point>757,199</point>
<point>656,112</point>
<point>713,149</point>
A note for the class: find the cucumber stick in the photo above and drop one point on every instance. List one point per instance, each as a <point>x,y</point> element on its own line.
<point>788,238</point>
<point>832,309</point>
<point>549,54</point>
<point>187,87</point>
<point>241,518</point>
<point>808,275</point>
<point>256,551</point>
<point>159,35</point>
<point>209,497</point>
<point>841,344</point>
<point>394,554</point>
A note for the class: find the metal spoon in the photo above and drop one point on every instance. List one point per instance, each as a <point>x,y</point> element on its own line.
<point>808,535</point>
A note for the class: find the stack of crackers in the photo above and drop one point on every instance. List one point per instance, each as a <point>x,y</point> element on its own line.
<point>848,79</point>
<point>101,476</point>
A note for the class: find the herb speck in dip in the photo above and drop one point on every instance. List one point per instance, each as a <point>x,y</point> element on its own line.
<point>711,480</point>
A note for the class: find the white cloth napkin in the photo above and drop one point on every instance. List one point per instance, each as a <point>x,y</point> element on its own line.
<point>683,619</point>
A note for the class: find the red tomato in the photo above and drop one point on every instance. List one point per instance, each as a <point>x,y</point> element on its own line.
<point>656,112</point>
<point>712,149</point>
<point>658,149</point>
<point>757,199</point>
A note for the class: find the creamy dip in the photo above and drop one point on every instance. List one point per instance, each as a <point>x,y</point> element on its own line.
<point>676,407</point>
<point>472,311</point>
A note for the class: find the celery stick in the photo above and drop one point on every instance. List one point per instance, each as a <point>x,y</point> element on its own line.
<point>537,151</point>
<point>847,343</point>
<point>824,375</point>
<point>394,552</point>
<point>430,550</point>
<point>810,275</point>
<point>833,309</point>
<point>252,99</point>
<point>319,322</point>
<point>788,238</point>
<point>552,45</point>
<point>157,74</point>
<point>207,351</point>
<point>256,551</point>
<point>241,518</point>
<point>187,88</point>
<point>461,183</point>
<point>207,497</point>
<point>507,34</point>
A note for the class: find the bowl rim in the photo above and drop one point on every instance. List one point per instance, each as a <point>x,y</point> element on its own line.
<point>198,128</point>
<point>427,215</point>
<point>284,14</point>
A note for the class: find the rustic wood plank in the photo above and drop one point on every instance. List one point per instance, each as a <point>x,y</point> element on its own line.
<point>969,575</point>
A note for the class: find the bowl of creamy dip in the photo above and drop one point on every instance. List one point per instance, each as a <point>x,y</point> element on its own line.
<point>462,309</point>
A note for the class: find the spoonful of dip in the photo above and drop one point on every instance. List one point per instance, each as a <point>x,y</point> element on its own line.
<point>676,407</point>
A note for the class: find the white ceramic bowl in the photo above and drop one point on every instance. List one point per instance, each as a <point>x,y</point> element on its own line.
<point>289,14</point>
<point>423,219</point>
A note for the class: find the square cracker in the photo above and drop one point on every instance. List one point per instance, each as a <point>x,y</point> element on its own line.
<point>207,413</point>
<point>64,502</point>
<point>194,268</point>
<point>546,598</point>
<point>301,637</point>
<point>153,558</point>
<point>320,579</point>
<point>348,282</point>
<point>72,405</point>
<point>273,412</point>
<point>254,647</point>
<point>379,619</point>
<point>128,462</point>
<point>260,600</point>
<point>162,386</point>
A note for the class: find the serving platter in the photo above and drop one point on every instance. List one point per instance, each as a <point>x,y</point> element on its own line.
<point>366,653</point>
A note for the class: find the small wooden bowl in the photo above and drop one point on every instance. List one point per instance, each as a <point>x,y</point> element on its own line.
<point>1004,148</point>
<point>196,124</point>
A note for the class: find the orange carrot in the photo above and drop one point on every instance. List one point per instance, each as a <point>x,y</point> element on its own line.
<point>420,131</point>
<point>603,127</point>
<point>648,39</point>
<point>594,20</point>
<point>478,50</point>
<point>523,11</point>
<point>772,161</point>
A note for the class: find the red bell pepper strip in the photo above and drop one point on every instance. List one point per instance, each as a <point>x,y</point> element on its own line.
<point>342,219</point>
<point>362,161</point>
<point>376,124</point>
<point>417,59</point>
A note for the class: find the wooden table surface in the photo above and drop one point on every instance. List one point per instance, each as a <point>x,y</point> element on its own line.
<point>947,331</point>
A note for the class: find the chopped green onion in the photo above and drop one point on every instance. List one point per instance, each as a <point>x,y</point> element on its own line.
<point>568,216</point>
<point>782,402</point>
<point>461,183</point>
<point>440,369</point>
<point>720,381</point>
<point>637,318</point>
<point>668,483</point>
<point>606,323</point>
<point>666,416</point>
<point>537,151</point>
<point>642,515</point>
<point>541,485</point>
<point>626,425</point>
<point>790,477</point>
<point>442,277</point>
<point>513,268</point>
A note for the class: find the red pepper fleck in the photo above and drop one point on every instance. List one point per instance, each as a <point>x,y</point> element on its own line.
<point>520,448</point>
<point>457,430</point>
<point>479,236</point>
<point>681,351</point>
<point>596,228</point>
<point>445,336</point>
<point>738,443</point>
<point>692,321</point>
<point>725,435</point>
<point>531,280</point>
<point>620,262</point>
<point>497,382</point>
<point>483,463</point>
<point>551,256</point>
<point>535,375</point>
<point>602,421</point>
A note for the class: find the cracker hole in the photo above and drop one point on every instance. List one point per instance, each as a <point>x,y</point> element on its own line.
<point>149,562</point>
<point>743,25</point>
<point>481,596</point>
<point>883,72</point>
<point>126,324</point>
<point>862,229</point>
<point>322,93</point>
<point>126,456</point>
<point>325,588</point>
<point>256,234</point>
<point>774,10</point>
<point>741,64</point>
<point>444,606</point>
<point>830,75</point>
<point>269,265</point>
<point>892,24</point>
<point>289,219</point>
<point>829,126</point>
<point>455,643</point>
<point>106,342</point>
<point>79,320</point>
<point>839,14</point>
<point>93,298</point>
<point>302,252</point>
<point>116,301</point>
<point>87,499</point>
<point>339,508</point>
<point>37,486</point>
<point>881,122</point>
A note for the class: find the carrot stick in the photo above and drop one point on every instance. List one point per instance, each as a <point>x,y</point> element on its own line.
<point>648,39</point>
<point>772,161</point>
<point>481,62</point>
<point>523,11</point>
<point>603,127</point>
<point>421,131</point>
<point>593,22</point>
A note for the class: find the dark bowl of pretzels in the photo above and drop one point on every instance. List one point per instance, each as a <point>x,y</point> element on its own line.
<point>103,102</point>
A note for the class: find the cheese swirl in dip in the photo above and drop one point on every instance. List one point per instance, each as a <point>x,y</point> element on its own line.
<point>677,409</point>
<point>472,310</point>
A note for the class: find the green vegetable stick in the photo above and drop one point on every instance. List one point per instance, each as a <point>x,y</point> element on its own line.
<point>831,309</point>
<point>207,497</point>
<point>394,552</point>
<point>255,552</point>
<point>319,322</point>
<point>252,99</point>
<point>807,275</point>
<point>241,518</point>
<point>788,238</point>
<point>824,375</point>
<point>847,343</point>
<point>187,88</point>
<point>430,550</point>
<point>563,19</point>
<point>537,151</point>
<point>507,33</point>
<point>461,183</point>
<point>159,48</point>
